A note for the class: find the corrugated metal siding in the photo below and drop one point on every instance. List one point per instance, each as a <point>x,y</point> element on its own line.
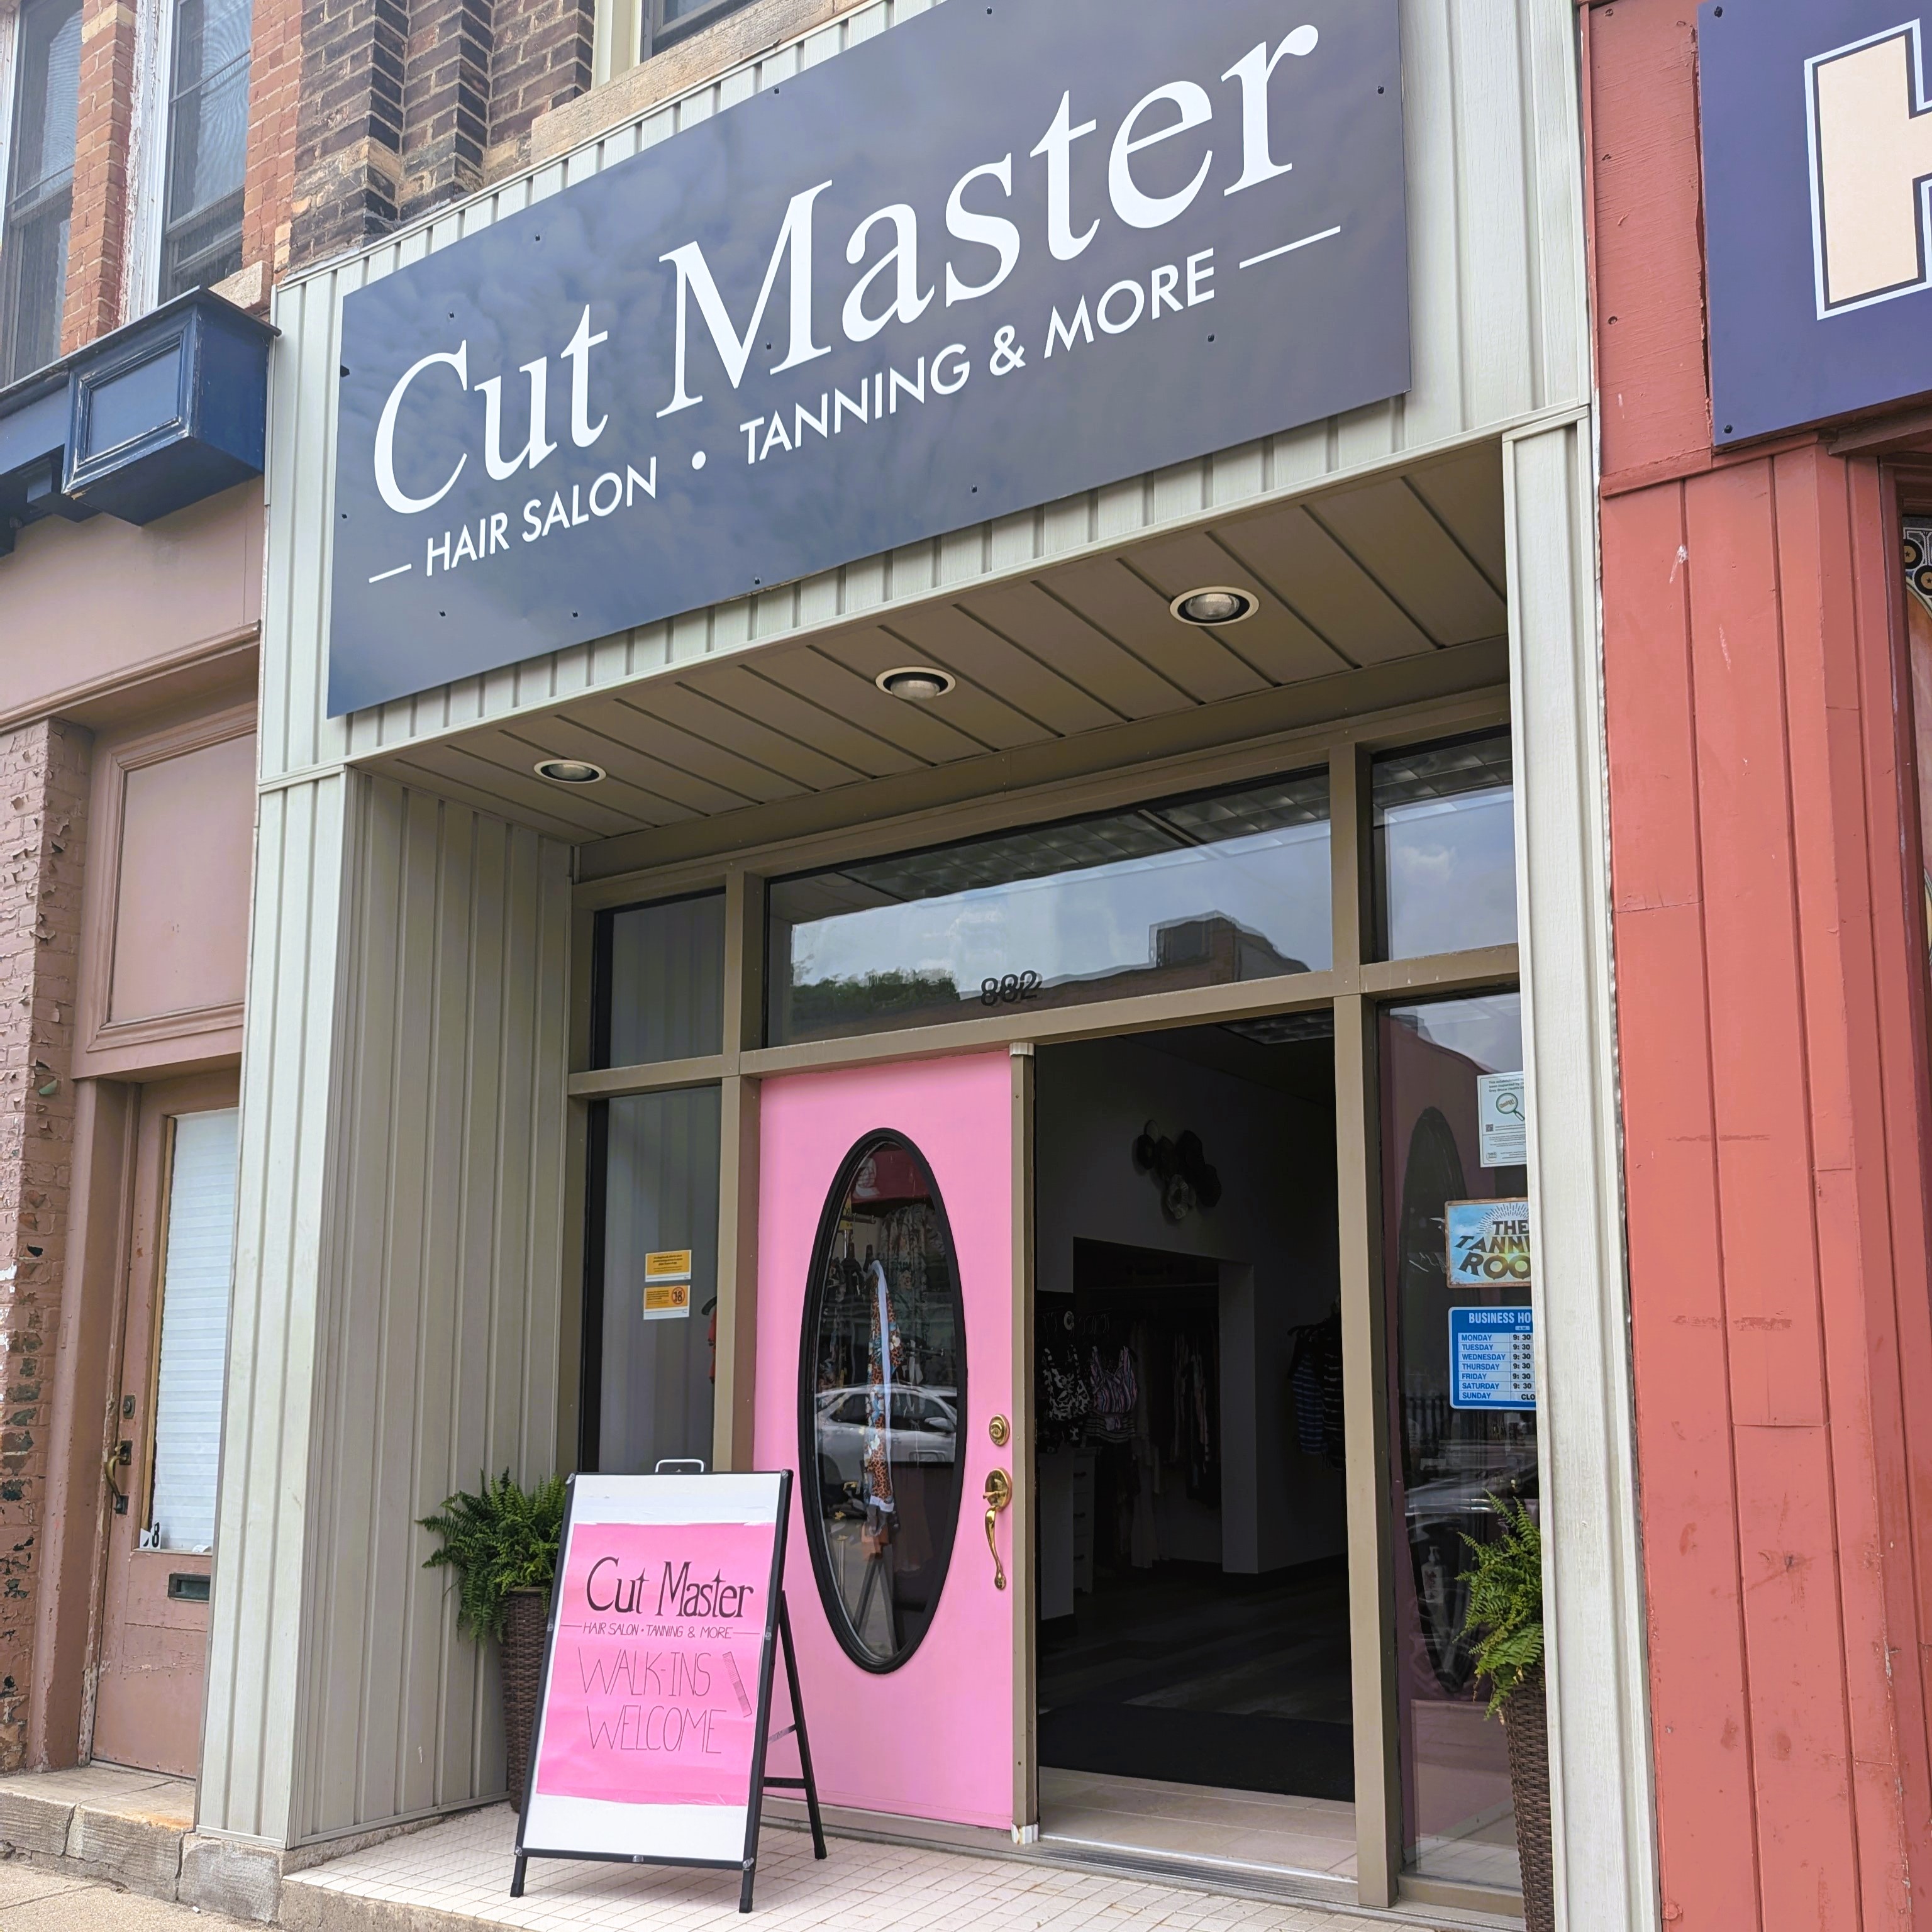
<point>397,1315</point>
<point>1495,242</point>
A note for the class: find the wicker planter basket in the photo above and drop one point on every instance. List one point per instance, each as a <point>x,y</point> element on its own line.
<point>1525,1721</point>
<point>526,1613</point>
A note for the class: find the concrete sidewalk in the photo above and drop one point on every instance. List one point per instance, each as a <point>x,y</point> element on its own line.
<point>33,1899</point>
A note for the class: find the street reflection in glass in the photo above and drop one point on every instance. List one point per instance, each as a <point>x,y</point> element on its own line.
<point>1445,847</point>
<point>1184,892</point>
<point>884,1393</point>
<point>1451,1242</point>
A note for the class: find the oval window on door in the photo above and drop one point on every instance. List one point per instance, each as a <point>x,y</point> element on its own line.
<point>883,1401</point>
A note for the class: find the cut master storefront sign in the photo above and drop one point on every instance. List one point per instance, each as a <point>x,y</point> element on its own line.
<point>997,255</point>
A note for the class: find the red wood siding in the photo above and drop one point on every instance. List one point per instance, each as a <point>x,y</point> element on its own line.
<point>1770,947</point>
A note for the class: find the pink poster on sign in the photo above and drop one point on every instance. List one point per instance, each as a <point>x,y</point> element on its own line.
<point>653,1684</point>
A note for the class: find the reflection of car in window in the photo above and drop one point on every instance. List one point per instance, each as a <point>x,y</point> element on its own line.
<point>924,1429</point>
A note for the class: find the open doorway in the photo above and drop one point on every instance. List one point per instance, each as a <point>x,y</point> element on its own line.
<point>1193,1660</point>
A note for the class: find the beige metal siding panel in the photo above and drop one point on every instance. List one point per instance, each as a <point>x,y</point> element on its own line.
<point>447,1303</point>
<point>295,736</point>
<point>349,1387</point>
<point>262,1612</point>
<point>1554,135</point>
<point>397,1295</point>
<point>1503,358</point>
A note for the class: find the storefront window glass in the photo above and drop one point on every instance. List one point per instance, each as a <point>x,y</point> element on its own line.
<point>1184,892</point>
<point>1456,1257</point>
<point>1445,847</point>
<point>882,1399</point>
<point>653,1281</point>
<point>663,972</point>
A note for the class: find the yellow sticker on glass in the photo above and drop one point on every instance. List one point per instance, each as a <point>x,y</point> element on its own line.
<point>666,1300</point>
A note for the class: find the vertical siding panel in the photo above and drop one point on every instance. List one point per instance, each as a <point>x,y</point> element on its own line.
<point>1552,137</point>
<point>1770,1252</point>
<point>1678,1326</point>
<point>460,1455</point>
<point>1845,1090</point>
<point>1899,934</point>
<point>1599,1720</point>
<point>1436,406</point>
<point>257,1621</point>
<point>442,929</point>
<point>281,614</point>
<point>349,1399</point>
<point>402,1098</point>
<point>435,1309</point>
<point>1500,353</point>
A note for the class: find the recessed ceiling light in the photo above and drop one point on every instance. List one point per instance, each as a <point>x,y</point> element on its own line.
<point>919,684</point>
<point>570,771</point>
<point>1215,604</point>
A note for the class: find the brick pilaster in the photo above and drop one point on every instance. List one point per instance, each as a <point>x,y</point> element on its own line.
<point>445,102</point>
<point>97,234</point>
<point>543,54</point>
<point>42,809</point>
<point>274,101</point>
<point>348,171</point>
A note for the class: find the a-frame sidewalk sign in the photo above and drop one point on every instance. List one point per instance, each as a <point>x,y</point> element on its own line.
<point>650,1741</point>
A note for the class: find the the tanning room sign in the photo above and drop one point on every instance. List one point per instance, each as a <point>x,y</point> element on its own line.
<point>995,256</point>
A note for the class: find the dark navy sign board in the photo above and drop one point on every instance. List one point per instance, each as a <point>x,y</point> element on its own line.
<point>1801,102</point>
<point>1007,253</point>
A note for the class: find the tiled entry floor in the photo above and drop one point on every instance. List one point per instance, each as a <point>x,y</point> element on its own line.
<point>1254,1833</point>
<point>456,1875</point>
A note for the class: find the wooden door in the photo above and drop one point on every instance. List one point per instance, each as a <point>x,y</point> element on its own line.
<point>181,1251</point>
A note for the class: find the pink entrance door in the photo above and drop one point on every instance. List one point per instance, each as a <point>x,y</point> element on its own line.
<point>885,1354</point>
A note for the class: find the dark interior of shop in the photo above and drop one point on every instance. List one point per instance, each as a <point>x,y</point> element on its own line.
<point>1193,1610</point>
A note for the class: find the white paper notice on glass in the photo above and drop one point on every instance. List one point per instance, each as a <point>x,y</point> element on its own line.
<point>1500,1124</point>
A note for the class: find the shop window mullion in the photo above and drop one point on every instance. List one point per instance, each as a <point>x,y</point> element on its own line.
<point>1347,858</point>
<point>744,963</point>
<point>737,1289</point>
<point>652,1076</point>
<point>738,1174</point>
<point>1481,966</point>
<point>1365,1378</point>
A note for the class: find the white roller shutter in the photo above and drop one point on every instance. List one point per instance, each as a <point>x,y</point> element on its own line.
<point>198,1271</point>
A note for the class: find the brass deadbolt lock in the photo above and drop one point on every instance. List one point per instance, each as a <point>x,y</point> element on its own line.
<point>1001,1430</point>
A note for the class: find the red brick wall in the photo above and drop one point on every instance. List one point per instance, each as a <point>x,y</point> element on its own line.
<point>1770,979</point>
<point>43,800</point>
<point>97,237</point>
<point>275,97</point>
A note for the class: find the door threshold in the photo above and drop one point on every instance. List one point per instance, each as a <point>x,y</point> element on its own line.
<point>1201,1871</point>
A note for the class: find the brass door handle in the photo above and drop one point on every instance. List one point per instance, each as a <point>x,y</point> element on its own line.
<point>120,1457</point>
<point>999,1493</point>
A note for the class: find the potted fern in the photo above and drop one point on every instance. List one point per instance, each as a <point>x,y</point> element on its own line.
<point>1504,1621</point>
<point>502,1541</point>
